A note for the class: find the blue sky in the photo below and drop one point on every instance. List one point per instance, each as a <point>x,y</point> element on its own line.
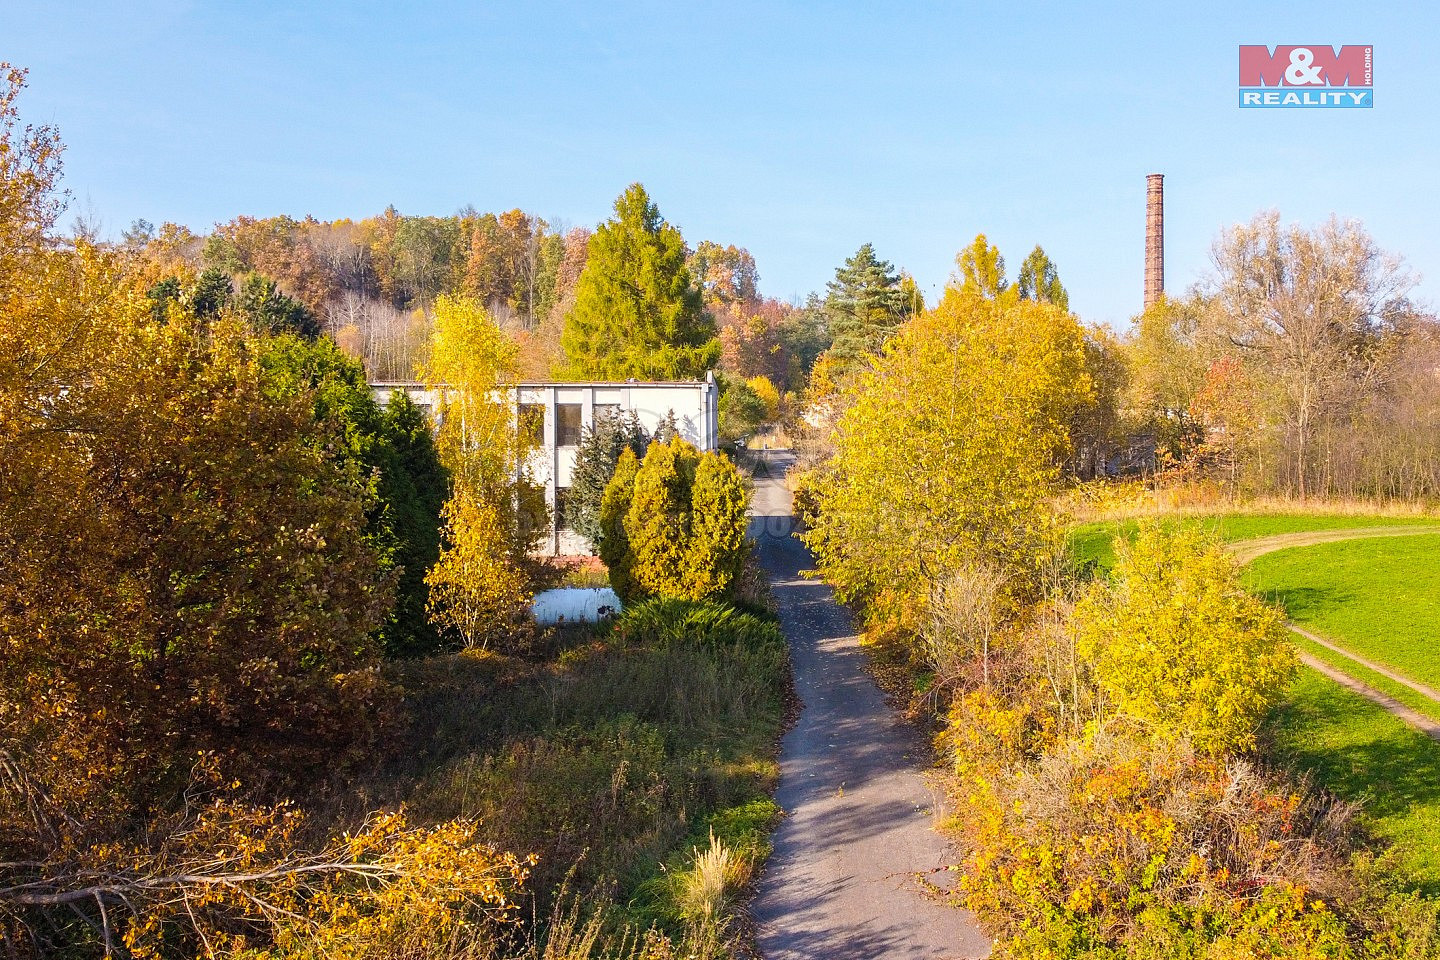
<point>797,130</point>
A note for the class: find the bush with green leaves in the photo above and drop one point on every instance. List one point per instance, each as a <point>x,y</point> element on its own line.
<point>392,449</point>
<point>742,409</point>
<point>674,525</point>
<point>261,302</point>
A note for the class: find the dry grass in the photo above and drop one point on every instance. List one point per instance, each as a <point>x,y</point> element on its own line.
<point>774,437</point>
<point>1094,502</point>
<point>705,890</point>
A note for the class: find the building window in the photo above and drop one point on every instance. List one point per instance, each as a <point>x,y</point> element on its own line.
<point>567,424</point>
<point>532,423</point>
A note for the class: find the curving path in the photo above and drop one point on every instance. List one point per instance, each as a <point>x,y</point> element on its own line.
<point>1248,550</point>
<point>860,818</point>
<point>1256,547</point>
<point>1388,703</point>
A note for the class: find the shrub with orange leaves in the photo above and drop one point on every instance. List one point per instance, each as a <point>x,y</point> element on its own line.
<point>1100,845</point>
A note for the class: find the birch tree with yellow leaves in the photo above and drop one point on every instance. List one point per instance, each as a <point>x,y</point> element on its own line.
<point>479,586</point>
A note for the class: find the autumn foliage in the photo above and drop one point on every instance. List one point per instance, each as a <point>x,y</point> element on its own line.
<point>1113,804</point>
<point>479,585</point>
<point>190,609</point>
<point>949,451</point>
<point>1180,648</point>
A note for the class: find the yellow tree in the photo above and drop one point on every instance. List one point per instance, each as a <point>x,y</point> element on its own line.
<point>657,523</point>
<point>614,545</point>
<point>475,588</point>
<point>718,546</point>
<point>479,583</point>
<point>950,450</point>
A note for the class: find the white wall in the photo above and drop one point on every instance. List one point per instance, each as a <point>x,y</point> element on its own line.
<point>694,404</point>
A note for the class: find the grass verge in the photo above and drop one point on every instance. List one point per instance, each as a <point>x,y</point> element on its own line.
<point>616,760</point>
<point>1363,754</point>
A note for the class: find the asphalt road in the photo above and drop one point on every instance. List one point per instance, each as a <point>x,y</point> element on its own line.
<point>859,823</point>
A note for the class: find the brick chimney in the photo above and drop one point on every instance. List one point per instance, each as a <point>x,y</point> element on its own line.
<point>1154,238</point>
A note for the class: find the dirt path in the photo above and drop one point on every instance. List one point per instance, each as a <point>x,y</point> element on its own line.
<point>1429,693</point>
<point>1416,719</point>
<point>1248,550</point>
<point>859,816</point>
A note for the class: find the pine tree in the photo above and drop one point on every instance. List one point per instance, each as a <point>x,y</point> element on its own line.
<point>211,293</point>
<point>638,312</point>
<point>865,304</point>
<point>595,461</point>
<point>269,310</point>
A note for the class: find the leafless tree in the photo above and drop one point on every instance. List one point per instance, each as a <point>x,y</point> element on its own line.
<point>389,340</point>
<point>1308,312</point>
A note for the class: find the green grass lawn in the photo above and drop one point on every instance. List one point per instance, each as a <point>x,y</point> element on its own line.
<point>1378,597</point>
<point>1361,753</point>
<point>1094,543</point>
<point>1415,701</point>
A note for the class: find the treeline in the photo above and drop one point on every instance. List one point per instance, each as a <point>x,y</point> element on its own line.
<point>371,284</point>
<point>1300,367</point>
<point>372,281</point>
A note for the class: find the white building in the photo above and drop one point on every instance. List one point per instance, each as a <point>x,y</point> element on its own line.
<point>562,411</point>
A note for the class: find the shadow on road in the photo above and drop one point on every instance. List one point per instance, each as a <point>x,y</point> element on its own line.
<point>859,824</point>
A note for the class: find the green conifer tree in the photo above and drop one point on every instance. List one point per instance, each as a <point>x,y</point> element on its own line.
<point>715,555</point>
<point>595,462</point>
<point>269,310</point>
<point>865,305</point>
<point>638,312</point>
<point>658,521</point>
<point>614,546</point>
<point>674,525</point>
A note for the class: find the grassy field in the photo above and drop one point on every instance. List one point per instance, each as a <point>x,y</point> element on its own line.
<point>614,756</point>
<point>1380,597</point>
<point>1415,701</point>
<point>1361,753</point>
<point>1093,544</point>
